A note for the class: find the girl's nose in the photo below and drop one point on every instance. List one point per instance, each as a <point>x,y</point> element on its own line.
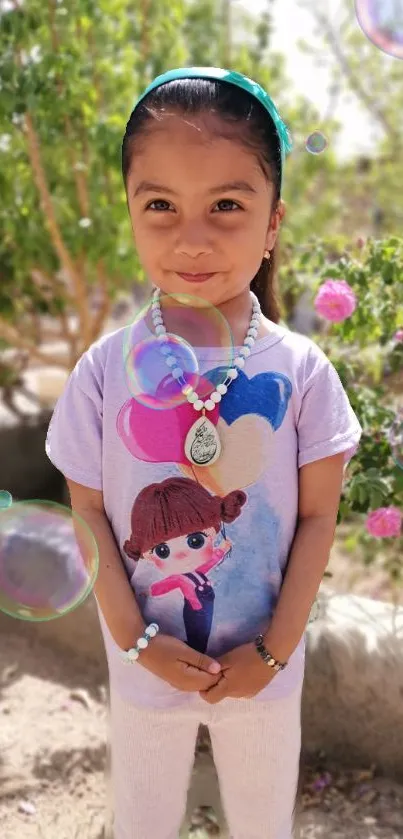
<point>193,242</point>
<point>181,555</point>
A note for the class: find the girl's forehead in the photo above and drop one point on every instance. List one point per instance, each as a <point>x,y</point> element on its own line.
<point>174,138</point>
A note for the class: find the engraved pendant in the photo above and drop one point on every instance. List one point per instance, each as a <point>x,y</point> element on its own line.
<point>202,444</point>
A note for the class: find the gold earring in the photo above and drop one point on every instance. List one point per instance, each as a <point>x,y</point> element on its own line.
<point>266,254</point>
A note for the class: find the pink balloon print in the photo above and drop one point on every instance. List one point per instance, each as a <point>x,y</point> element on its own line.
<point>157,436</point>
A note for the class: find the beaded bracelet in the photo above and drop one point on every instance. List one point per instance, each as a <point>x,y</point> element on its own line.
<point>266,656</point>
<point>130,656</point>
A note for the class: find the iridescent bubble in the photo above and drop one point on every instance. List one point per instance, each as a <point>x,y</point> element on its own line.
<point>382,23</point>
<point>6,499</point>
<point>160,367</point>
<point>158,370</point>
<point>395,437</point>
<point>48,560</point>
<point>316,143</point>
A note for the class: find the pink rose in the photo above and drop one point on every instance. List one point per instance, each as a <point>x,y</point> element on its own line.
<point>399,335</point>
<point>384,522</point>
<point>335,300</point>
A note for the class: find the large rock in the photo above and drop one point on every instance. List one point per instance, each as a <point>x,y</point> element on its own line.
<point>353,697</point>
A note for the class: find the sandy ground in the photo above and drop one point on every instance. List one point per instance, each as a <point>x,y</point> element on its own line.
<point>53,759</point>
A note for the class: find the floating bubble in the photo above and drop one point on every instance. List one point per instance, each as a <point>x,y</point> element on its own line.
<point>395,437</point>
<point>157,371</point>
<point>48,560</point>
<point>382,23</point>
<point>6,499</point>
<point>160,368</point>
<point>316,143</point>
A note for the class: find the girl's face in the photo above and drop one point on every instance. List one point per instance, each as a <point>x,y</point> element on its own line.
<point>199,204</point>
<point>184,553</point>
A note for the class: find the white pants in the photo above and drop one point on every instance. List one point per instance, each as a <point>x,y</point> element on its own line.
<point>256,748</point>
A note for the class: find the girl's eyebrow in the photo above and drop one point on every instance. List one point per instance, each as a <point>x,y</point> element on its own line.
<point>232,186</point>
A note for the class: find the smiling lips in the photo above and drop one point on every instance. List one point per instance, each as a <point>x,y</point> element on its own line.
<point>196,278</point>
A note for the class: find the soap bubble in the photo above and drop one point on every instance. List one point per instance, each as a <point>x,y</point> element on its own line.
<point>160,368</point>
<point>316,143</point>
<point>48,560</point>
<point>395,437</point>
<point>6,499</point>
<point>157,371</point>
<point>382,23</point>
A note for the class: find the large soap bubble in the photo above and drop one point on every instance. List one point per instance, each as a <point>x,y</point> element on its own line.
<point>382,22</point>
<point>48,560</point>
<point>159,366</point>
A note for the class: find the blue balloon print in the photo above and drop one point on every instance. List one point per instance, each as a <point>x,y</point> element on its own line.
<point>266,394</point>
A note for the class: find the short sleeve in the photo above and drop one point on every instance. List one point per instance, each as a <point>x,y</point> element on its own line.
<point>327,424</point>
<point>74,438</point>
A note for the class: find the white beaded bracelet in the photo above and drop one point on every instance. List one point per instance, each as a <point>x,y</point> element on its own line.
<point>130,656</point>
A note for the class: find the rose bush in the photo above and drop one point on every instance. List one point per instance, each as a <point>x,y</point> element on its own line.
<point>358,294</point>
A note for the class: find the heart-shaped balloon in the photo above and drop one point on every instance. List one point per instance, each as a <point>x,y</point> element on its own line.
<point>265,395</point>
<point>157,436</point>
<point>245,454</point>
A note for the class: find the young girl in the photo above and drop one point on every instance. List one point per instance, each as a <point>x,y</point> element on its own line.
<point>262,449</point>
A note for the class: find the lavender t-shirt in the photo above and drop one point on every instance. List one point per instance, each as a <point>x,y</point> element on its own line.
<point>205,548</point>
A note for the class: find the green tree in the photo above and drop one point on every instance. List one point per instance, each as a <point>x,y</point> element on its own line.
<point>70,74</point>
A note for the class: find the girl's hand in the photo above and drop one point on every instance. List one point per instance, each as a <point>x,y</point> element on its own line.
<point>179,665</point>
<point>243,675</point>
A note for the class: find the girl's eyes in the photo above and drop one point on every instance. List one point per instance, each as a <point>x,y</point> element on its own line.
<point>227,208</point>
<point>196,540</point>
<point>225,205</point>
<point>162,550</point>
<point>158,209</point>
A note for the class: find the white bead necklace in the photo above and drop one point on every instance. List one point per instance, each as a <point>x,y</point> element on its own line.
<point>202,444</point>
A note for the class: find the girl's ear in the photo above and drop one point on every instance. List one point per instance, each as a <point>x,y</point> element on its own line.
<point>275,223</point>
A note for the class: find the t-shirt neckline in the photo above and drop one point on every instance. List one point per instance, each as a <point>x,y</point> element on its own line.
<point>275,335</point>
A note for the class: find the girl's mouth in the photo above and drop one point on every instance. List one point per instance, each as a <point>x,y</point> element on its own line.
<point>196,278</point>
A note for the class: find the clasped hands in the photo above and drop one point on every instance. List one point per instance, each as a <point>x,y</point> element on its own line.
<point>239,674</point>
<point>243,674</point>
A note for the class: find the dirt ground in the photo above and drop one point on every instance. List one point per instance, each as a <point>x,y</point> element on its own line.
<point>54,758</point>
<point>54,753</point>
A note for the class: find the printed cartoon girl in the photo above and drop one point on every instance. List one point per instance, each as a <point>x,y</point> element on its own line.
<point>174,525</point>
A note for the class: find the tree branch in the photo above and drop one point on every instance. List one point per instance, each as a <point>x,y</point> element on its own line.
<point>38,276</point>
<point>78,174</point>
<point>16,340</point>
<point>145,7</point>
<point>80,290</point>
<point>106,305</point>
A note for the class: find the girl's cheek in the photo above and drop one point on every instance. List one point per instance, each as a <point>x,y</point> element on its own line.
<point>158,562</point>
<point>155,559</point>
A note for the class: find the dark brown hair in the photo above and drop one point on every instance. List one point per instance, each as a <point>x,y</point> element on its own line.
<point>250,123</point>
<point>175,507</point>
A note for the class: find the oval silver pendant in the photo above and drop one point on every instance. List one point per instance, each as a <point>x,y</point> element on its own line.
<point>202,444</point>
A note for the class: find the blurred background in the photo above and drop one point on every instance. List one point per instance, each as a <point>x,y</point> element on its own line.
<point>70,72</point>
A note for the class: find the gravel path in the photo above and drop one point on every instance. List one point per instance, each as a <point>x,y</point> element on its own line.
<point>53,753</point>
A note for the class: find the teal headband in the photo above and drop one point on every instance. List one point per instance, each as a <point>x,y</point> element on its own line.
<point>237,79</point>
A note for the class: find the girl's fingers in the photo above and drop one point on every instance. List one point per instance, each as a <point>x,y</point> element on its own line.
<point>216,693</point>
